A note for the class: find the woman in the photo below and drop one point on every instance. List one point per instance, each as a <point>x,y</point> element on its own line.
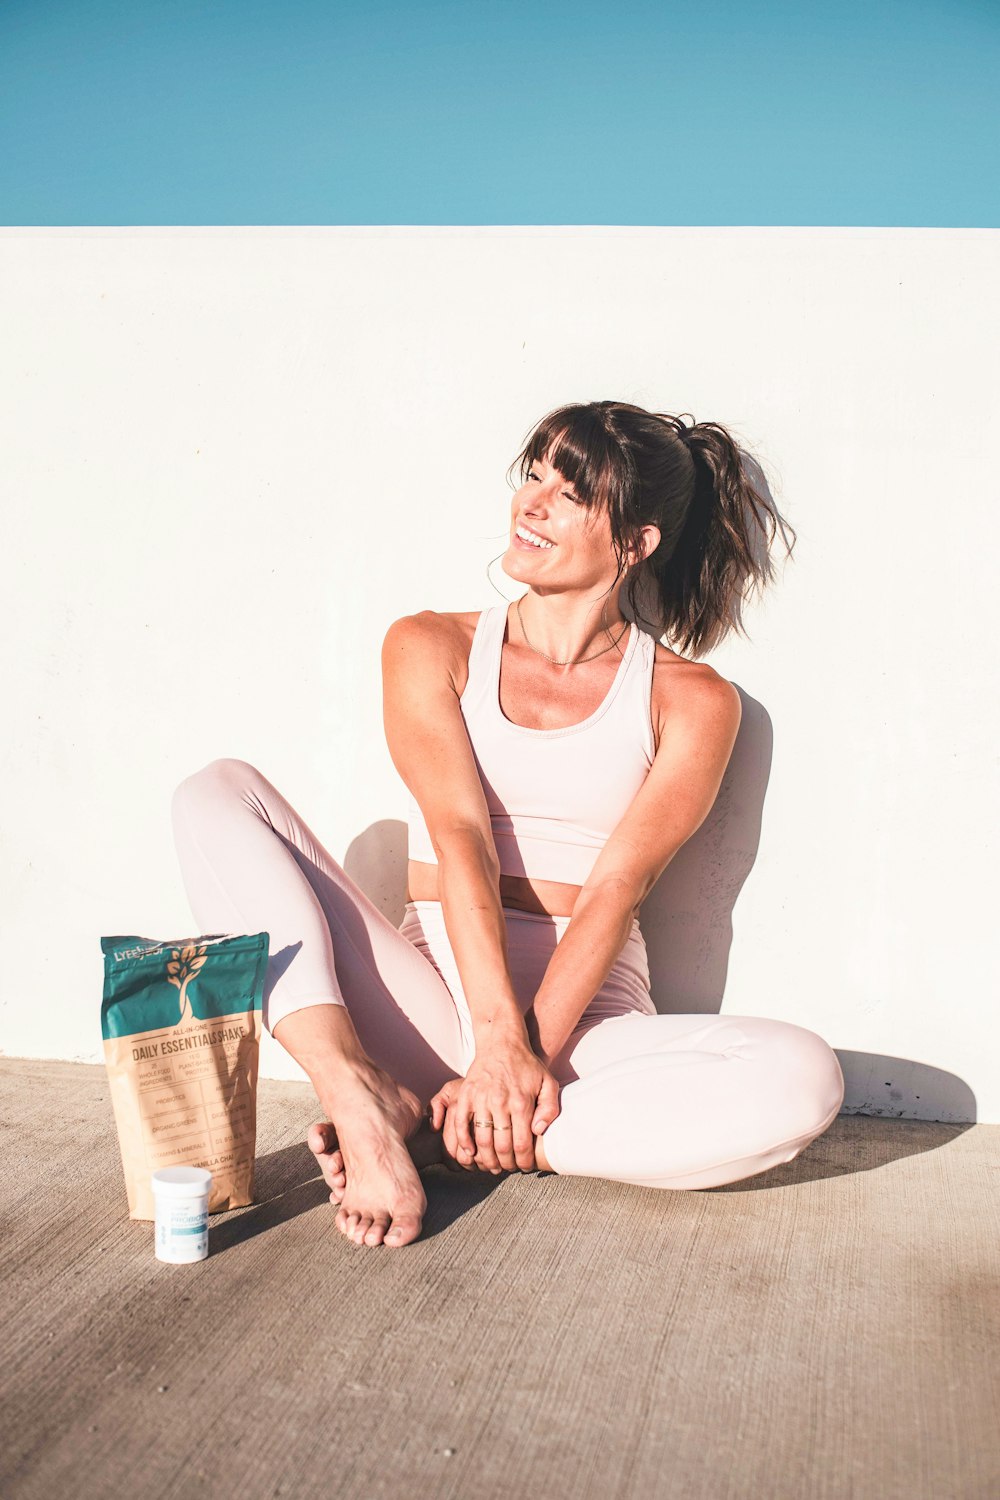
<point>557,758</point>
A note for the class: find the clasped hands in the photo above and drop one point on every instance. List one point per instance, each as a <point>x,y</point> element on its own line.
<point>508,1085</point>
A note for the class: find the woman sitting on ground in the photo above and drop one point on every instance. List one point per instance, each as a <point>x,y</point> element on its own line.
<point>557,758</point>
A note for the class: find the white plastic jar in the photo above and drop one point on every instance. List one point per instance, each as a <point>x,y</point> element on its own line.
<point>181,1198</point>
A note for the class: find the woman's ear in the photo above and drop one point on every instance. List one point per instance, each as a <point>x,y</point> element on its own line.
<point>649,539</point>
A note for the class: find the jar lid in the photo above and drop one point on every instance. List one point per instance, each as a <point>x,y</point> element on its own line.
<point>182,1182</point>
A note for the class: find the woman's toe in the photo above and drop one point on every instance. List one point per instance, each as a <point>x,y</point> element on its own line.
<point>322,1138</point>
<point>376,1234</point>
<point>322,1142</point>
<point>403,1229</point>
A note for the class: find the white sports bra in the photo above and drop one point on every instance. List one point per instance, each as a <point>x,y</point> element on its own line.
<point>554,795</point>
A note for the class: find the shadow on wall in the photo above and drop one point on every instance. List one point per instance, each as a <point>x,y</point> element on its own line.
<point>687,918</point>
<point>687,922</point>
<point>901,1088</point>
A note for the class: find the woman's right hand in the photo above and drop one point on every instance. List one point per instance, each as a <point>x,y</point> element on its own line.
<point>508,1085</point>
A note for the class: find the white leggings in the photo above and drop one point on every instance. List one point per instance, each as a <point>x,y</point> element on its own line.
<point>670,1101</point>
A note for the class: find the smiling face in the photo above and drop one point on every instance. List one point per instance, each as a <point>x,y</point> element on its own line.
<point>576,548</point>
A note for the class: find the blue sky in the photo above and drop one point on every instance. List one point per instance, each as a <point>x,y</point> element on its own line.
<point>528,112</point>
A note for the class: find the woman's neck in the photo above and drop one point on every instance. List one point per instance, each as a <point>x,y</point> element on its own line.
<point>565,630</point>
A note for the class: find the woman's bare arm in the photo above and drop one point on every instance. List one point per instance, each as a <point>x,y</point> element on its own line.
<point>469,890</point>
<point>430,749</point>
<point>672,803</point>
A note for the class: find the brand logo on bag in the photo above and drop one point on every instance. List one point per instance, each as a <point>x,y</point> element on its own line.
<point>181,971</point>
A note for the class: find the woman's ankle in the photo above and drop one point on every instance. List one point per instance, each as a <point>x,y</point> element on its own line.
<point>349,1085</point>
<point>366,1097</point>
<point>323,1041</point>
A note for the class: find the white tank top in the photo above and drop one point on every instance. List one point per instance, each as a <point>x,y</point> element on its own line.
<point>554,795</point>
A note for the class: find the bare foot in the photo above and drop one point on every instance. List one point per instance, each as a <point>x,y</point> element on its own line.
<point>367,1147</point>
<point>425,1146</point>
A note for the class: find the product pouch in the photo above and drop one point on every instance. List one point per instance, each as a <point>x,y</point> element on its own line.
<point>181,1021</point>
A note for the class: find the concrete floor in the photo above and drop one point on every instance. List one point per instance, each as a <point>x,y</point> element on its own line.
<point>827,1329</point>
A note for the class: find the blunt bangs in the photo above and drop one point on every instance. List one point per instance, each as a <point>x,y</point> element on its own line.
<point>575,440</point>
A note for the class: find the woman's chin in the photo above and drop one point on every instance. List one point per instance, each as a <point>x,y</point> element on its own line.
<point>517,564</point>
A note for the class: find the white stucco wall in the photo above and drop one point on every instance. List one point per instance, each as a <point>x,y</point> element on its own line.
<point>230,457</point>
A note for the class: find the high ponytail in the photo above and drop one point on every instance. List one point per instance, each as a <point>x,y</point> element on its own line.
<point>716,526</point>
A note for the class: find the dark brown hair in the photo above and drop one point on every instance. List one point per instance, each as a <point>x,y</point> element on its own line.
<point>651,469</point>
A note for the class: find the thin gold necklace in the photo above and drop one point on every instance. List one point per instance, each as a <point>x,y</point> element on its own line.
<point>579,659</point>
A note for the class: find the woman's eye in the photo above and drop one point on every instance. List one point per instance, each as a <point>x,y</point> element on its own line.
<point>575,498</point>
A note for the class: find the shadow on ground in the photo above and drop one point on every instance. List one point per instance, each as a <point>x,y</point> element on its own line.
<point>848,1147</point>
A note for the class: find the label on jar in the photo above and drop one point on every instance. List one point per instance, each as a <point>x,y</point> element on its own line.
<point>181,1229</point>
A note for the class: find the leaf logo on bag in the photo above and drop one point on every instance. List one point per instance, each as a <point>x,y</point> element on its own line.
<point>183,967</point>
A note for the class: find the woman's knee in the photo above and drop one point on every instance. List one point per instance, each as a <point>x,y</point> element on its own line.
<point>805,1074</point>
<point>220,777</point>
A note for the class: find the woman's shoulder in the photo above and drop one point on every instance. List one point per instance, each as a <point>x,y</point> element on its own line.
<point>450,625</point>
<point>452,632</point>
<point>681,686</point>
<point>446,621</point>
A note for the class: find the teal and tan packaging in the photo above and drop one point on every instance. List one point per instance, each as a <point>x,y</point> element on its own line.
<point>181,1021</point>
